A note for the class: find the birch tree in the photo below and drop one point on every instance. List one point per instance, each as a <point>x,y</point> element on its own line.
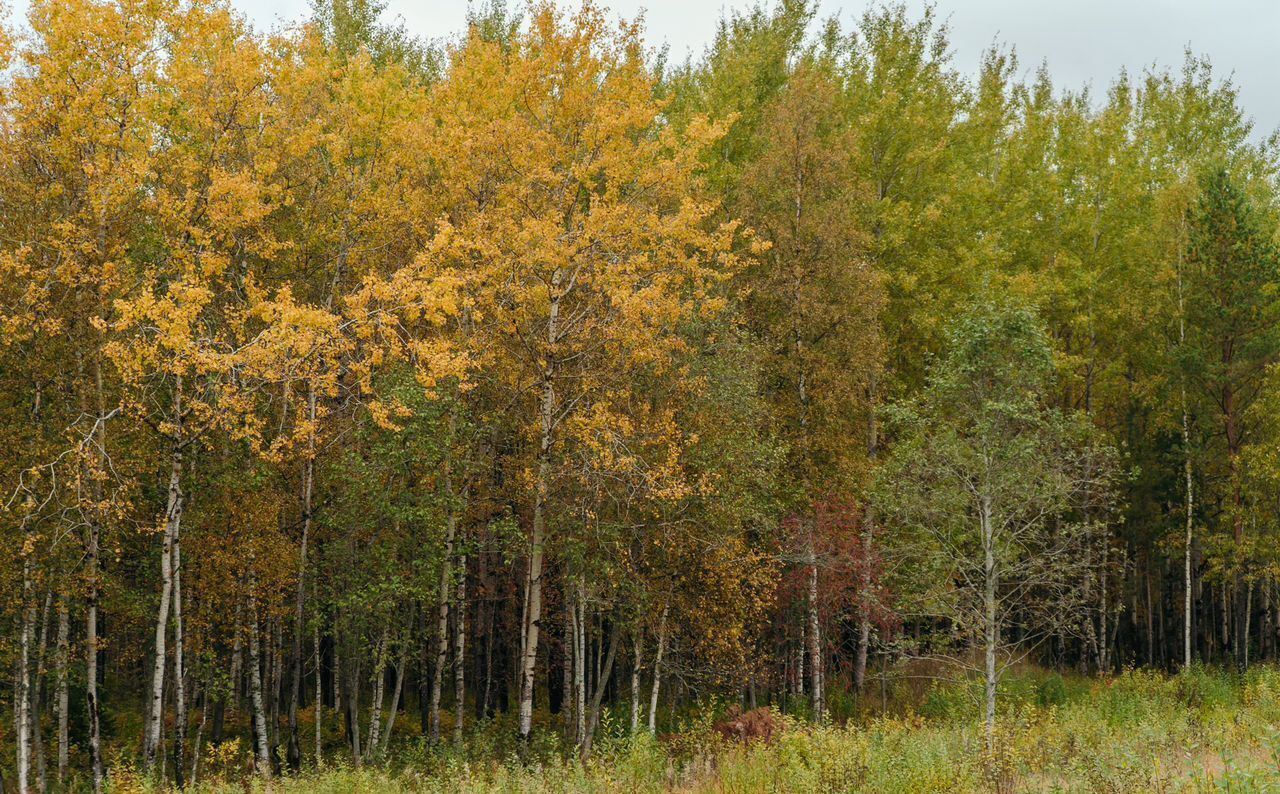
<point>984,482</point>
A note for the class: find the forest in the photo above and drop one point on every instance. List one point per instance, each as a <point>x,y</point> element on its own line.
<point>532,395</point>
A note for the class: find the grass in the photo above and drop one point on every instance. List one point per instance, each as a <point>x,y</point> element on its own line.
<point>1140,731</point>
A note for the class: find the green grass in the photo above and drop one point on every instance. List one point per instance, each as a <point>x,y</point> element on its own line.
<point>1138,732</point>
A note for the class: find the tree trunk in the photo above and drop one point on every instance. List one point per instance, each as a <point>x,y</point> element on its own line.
<point>1248,616</point>
<point>395,696</point>
<point>338,710</point>
<point>815,638</point>
<point>606,671</point>
<point>22,708</point>
<point>379,688</point>
<point>262,751</point>
<point>196,745</point>
<point>1104,660</point>
<point>294,753</point>
<point>442,615</point>
<point>1187,610</point>
<point>801,651</point>
<point>37,697</point>
<point>92,541</point>
<point>657,668</point>
<point>319,707</point>
<point>353,710</point>
<point>460,653</point>
<point>173,519</point>
<point>490,638</point>
<point>569,652</point>
<point>276,661</point>
<point>990,625</point>
<point>179,669</point>
<point>533,582</point>
<point>61,695</point>
<point>635,681</point>
<point>580,669</point>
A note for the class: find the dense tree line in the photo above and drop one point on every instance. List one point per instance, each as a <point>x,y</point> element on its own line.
<point>358,388</point>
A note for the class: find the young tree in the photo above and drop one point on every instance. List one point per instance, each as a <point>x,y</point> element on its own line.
<point>982,486</point>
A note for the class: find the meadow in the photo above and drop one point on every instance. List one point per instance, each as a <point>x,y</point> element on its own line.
<point>1140,731</point>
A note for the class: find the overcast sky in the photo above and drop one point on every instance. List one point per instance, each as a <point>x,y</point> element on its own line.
<point>1084,41</point>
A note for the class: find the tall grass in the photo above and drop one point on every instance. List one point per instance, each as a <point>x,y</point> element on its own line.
<point>1140,731</point>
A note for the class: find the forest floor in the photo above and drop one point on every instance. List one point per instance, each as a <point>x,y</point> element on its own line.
<point>1137,732</point>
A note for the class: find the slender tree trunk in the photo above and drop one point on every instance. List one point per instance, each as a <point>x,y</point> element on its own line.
<point>338,710</point>
<point>635,681</point>
<point>179,669</point>
<point>262,751</point>
<point>173,519</point>
<point>570,652</point>
<point>197,745</point>
<point>815,638</point>
<point>22,708</point>
<point>237,663</point>
<point>580,669</point>
<point>490,638</point>
<point>442,618</point>
<point>990,623</point>
<point>602,680</point>
<point>353,709</point>
<point>1104,661</point>
<point>92,541</point>
<point>319,715</point>
<point>1248,616</point>
<point>533,584</point>
<point>801,650</point>
<point>1187,609</point>
<point>379,687</point>
<point>460,653</point>
<point>61,695</point>
<point>294,752</point>
<point>657,668</point>
<point>37,697</point>
<point>276,661</point>
<point>395,696</point>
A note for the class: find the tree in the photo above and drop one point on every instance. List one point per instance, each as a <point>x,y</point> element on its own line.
<point>576,234</point>
<point>816,302</point>
<point>983,485</point>
<point>1233,334</point>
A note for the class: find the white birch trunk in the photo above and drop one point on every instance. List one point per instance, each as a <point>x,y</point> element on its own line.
<point>179,668</point>
<point>657,669</point>
<point>173,518</point>
<point>580,670</point>
<point>61,696</point>
<point>379,688</point>
<point>635,681</point>
<point>533,598</point>
<point>815,640</point>
<point>295,691</point>
<point>22,708</point>
<point>990,624</point>
<point>459,653</point>
<point>319,715</point>
<point>395,696</point>
<point>262,751</point>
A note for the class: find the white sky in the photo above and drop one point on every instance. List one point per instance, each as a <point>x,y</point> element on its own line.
<point>1084,41</point>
